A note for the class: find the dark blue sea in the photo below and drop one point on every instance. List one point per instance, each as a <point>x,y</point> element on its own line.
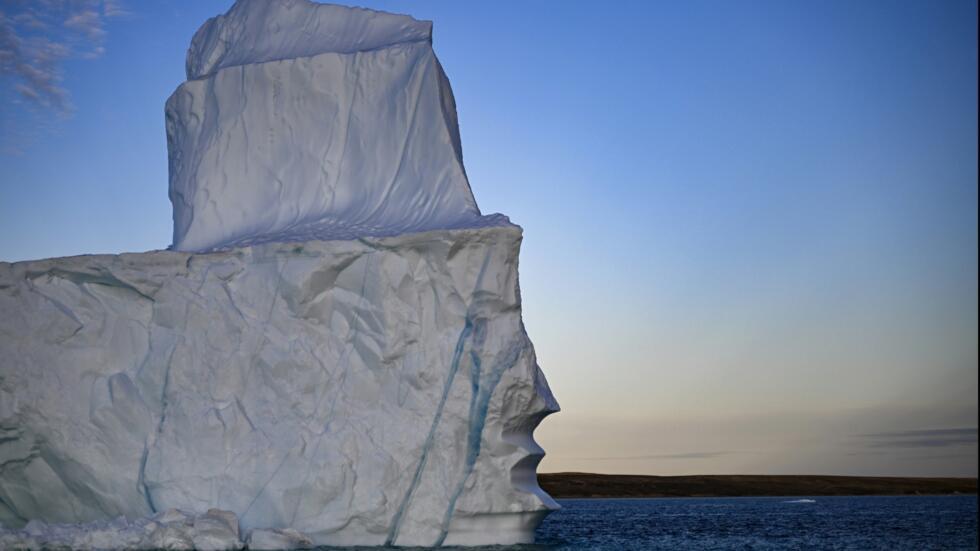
<point>866,522</point>
<point>858,523</point>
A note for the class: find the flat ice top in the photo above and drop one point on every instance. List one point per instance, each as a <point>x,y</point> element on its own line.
<point>331,230</point>
<point>254,31</point>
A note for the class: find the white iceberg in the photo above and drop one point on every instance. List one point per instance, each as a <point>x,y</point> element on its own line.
<point>347,365</point>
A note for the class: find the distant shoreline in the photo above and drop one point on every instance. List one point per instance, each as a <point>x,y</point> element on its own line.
<point>589,485</point>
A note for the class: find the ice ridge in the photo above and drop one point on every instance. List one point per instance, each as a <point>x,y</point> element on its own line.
<point>256,31</point>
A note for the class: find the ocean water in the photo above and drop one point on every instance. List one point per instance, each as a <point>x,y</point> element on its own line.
<point>751,523</point>
<point>865,522</point>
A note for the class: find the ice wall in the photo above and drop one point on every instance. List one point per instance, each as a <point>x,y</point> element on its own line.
<point>360,392</point>
<point>309,121</point>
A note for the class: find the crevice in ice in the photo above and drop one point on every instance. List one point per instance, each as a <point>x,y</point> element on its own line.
<point>159,430</point>
<point>141,479</point>
<point>479,405</point>
<point>447,387</point>
<point>430,437</point>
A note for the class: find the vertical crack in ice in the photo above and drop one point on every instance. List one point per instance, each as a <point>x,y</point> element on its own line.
<point>479,406</point>
<point>464,335</point>
<point>141,478</point>
<point>141,474</point>
<point>159,430</point>
<point>427,445</point>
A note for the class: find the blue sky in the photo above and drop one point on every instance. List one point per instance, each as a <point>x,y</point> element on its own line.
<point>750,227</point>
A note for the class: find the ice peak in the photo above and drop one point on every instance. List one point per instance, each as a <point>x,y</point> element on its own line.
<point>313,121</point>
<point>254,31</point>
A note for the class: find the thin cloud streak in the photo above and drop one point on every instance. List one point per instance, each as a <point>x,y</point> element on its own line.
<point>936,456</point>
<point>925,443</point>
<point>115,8</point>
<point>926,432</point>
<point>922,438</point>
<point>689,455</point>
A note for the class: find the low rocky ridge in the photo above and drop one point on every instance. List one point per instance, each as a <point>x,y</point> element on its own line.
<point>588,485</point>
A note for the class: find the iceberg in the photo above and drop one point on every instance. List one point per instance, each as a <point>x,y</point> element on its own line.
<point>330,353</point>
<point>304,121</point>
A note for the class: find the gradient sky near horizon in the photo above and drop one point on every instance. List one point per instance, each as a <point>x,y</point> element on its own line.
<point>750,227</point>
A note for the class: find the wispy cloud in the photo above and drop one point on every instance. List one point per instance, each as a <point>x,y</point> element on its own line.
<point>37,36</point>
<point>930,433</point>
<point>687,455</point>
<point>88,23</point>
<point>940,456</point>
<point>114,8</point>
<point>922,438</point>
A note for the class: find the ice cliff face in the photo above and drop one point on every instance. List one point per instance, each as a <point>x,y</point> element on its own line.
<point>360,392</point>
<point>309,121</point>
<point>334,352</point>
